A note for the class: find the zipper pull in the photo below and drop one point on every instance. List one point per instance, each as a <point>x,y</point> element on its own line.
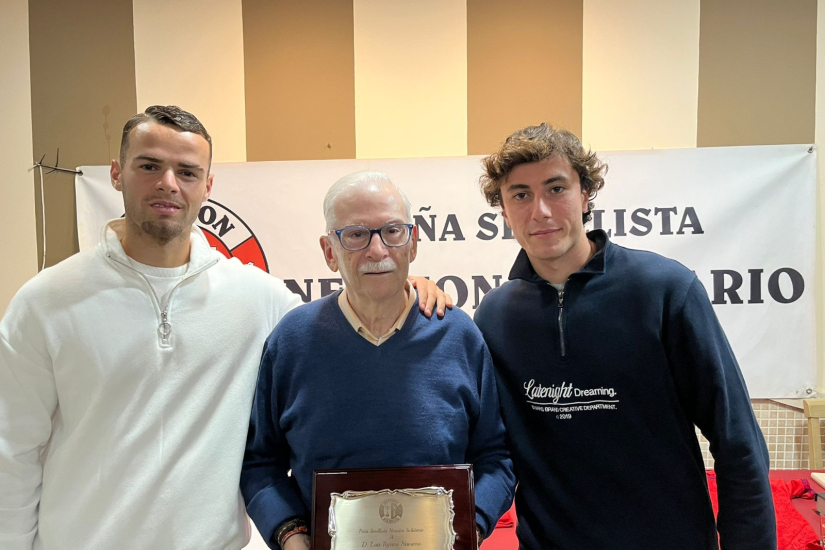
<point>561,322</point>
<point>164,328</point>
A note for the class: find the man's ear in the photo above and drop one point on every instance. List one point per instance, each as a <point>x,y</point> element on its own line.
<point>209,179</point>
<point>326,245</point>
<point>115,172</point>
<point>504,215</point>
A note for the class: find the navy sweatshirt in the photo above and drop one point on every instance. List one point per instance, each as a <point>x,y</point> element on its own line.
<point>600,389</point>
<point>328,398</point>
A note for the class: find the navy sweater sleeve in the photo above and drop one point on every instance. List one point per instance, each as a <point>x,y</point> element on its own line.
<point>272,497</point>
<point>713,393</point>
<point>492,468</point>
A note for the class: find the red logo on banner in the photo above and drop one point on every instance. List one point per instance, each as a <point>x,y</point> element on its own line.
<point>229,235</point>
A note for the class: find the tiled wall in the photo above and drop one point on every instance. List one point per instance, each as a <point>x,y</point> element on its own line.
<point>786,433</point>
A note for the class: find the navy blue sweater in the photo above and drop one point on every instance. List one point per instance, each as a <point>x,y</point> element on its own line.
<point>600,390</point>
<point>328,398</point>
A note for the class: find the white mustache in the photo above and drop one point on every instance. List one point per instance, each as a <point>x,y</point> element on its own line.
<point>387,264</point>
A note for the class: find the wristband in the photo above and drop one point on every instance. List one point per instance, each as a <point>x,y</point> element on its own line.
<point>289,528</point>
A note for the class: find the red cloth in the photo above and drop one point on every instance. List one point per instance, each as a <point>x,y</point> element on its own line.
<point>508,519</point>
<point>792,531</point>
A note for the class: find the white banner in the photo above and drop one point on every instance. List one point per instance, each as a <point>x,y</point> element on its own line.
<point>742,218</point>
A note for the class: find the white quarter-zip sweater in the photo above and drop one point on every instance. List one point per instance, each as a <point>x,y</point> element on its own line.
<point>147,404</point>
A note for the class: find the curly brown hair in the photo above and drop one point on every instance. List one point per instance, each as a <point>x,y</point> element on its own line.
<point>170,115</point>
<point>536,143</point>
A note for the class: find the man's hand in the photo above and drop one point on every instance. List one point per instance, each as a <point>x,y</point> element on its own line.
<point>298,542</point>
<point>429,294</point>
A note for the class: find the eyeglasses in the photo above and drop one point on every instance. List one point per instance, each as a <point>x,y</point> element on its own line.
<point>358,237</point>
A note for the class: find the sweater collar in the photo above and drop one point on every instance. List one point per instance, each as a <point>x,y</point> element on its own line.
<point>523,269</point>
<point>200,253</point>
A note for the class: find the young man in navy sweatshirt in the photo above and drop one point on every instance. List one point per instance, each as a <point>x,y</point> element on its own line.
<point>606,360</point>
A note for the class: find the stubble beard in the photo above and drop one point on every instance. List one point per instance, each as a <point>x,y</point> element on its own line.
<point>162,232</point>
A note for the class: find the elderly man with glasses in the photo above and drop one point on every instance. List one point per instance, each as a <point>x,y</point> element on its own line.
<point>362,379</point>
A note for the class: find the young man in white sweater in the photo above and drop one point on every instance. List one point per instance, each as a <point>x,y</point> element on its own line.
<point>127,371</point>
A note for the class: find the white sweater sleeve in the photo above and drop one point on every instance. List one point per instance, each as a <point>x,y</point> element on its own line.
<point>27,401</point>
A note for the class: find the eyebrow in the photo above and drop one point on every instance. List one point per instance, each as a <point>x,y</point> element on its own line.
<point>392,221</point>
<point>187,165</point>
<point>147,157</point>
<point>548,181</point>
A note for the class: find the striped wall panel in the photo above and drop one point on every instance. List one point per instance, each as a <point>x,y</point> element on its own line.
<point>18,247</point>
<point>190,53</point>
<point>524,66</point>
<point>410,78</point>
<point>757,72</point>
<point>82,92</point>
<point>641,74</point>
<point>299,78</point>
<point>317,79</point>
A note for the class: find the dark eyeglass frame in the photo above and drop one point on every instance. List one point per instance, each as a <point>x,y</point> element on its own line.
<point>372,232</point>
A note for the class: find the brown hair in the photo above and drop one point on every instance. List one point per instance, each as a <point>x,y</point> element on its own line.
<point>169,115</point>
<point>536,143</point>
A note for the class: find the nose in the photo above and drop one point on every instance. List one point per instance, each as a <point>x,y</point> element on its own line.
<point>167,181</point>
<point>542,209</point>
<point>376,250</point>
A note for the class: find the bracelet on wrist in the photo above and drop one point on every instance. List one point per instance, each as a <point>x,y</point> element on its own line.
<point>289,528</point>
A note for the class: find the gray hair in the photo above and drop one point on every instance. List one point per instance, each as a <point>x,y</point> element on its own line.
<point>360,180</point>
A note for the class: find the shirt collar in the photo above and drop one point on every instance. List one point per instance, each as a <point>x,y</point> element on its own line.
<point>523,269</point>
<point>359,327</point>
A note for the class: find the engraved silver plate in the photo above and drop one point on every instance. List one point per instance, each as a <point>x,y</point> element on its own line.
<point>392,519</point>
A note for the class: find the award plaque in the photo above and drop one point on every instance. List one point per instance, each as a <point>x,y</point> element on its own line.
<point>416,507</point>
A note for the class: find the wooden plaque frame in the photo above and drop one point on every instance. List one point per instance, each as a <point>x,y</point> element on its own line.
<point>458,477</point>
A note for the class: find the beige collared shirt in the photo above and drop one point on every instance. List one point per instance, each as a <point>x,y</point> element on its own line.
<point>359,327</point>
